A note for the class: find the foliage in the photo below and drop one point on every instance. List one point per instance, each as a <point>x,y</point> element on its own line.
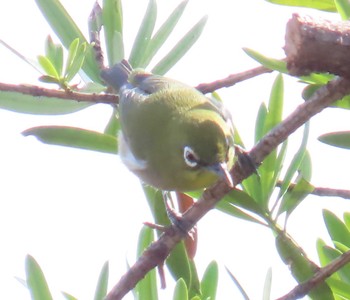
<point>257,201</point>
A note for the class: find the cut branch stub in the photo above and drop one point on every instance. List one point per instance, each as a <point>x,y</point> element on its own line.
<point>317,45</point>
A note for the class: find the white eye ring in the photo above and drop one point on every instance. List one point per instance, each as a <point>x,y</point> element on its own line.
<point>191,158</point>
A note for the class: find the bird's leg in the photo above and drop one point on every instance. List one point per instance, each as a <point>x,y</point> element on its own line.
<point>174,216</point>
<point>245,161</point>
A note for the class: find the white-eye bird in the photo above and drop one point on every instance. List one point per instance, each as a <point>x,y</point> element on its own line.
<point>172,136</point>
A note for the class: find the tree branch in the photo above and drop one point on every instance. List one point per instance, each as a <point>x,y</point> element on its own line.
<point>317,45</point>
<point>231,79</point>
<point>320,276</point>
<point>159,250</point>
<point>37,91</point>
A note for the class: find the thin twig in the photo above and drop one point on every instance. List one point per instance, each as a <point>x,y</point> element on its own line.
<point>320,276</point>
<point>37,91</point>
<point>159,250</point>
<point>231,79</point>
<point>324,192</point>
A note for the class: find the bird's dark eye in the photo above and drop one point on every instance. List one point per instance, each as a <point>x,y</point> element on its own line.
<point>191,158</point>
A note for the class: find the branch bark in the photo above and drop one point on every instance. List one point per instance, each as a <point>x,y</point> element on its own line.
<point>317,45</point>
<point>37,91</point>
<point>321,275</point>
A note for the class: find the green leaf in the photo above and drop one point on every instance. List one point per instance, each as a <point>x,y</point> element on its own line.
<point>326,5</point>
<point>267,285</point>
<point>68,296</point>
<point>36,281</point>
<point>324,259</point>
<point>112,14</point>
<point>305,167</point>
<point>343,8</point>
<point>296,161</point>
<point>113,125</point>
<point>146,288</point>
<point>180,292</point>
<point>67,31</point>
<point>48,67</point>
<point>209,283</point>
<point>74,137</point>
<point>39,105</point>
<point>181,48</point>
<point>260,122</point>
<point>347,220</point>
<point>163,33</point>
<point>301,267</point>
<point>342,103</point>
<point>293,198</point>
<point>102,283</point>
<point>72,52</point>
<point>238,285</point>
<point>340,139</point>
<point>339,287</point>
<point>75,65</point>
<point>54,52</point>
<point>269,169</point>
<point>268,62</point>
<point>336,228</point>
<point>144,35</point>
<point>227,207</point>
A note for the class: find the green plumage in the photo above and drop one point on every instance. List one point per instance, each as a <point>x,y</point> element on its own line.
<point>163,121</point>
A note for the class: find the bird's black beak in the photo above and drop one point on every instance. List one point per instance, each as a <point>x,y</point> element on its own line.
<point>222,170</point>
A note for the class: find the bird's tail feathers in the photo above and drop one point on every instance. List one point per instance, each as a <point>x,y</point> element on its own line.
<point>117,75</point>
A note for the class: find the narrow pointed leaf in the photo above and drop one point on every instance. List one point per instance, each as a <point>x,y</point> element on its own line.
<point>296,161</point>
<point>163,33</point>
<point>180,292</point>
<point>146,288</point>
<point>343,7</point>
<point>336,228</point>
<point>144,35</point>
<point>74,137</point>
<point>68,296</point>
<point>102,283</point>
<point>340,139</point>
<point>25,103</point>
<point>339,287</point>
<point>238,285</point>
<point>267,285</point>
<point>268,62</point>
<point>232,210</point>
<point>180,49</point>
<point>301,267</point>
<point>47,66</point>
<point>112,14</point>
<point>36,281</point>
<point>54,52</point>
<point>293,198</point>
<point>113,125</point>
<point>209,283</point>
<point>67,31</point>
<point>260,122</point>
<point>326,5</point>
<point>72,52</point>
<point>76,63</point>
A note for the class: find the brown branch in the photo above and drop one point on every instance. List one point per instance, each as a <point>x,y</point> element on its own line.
<point>317,45</point>
<point>320,276</point>
<point>159,250</point>
<point>37,91</point>
<point>231,79</point>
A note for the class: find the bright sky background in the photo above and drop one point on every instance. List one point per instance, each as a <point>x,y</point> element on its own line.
<point>63,206</point>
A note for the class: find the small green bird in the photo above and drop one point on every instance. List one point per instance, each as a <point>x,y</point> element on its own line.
<point>172,136</point>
